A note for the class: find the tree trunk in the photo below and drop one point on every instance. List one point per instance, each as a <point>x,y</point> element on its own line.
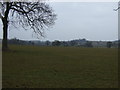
<point>5,27</point>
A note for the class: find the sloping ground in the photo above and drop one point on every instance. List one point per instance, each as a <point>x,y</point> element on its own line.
<point>60,67</point>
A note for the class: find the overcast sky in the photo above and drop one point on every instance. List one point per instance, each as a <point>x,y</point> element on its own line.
<point>77,20</point>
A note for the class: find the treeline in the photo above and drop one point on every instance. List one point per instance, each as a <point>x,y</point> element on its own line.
<point>76,43</point>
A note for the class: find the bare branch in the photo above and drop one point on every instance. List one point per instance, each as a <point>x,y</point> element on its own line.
<point>116,9</point>
<point>35,15</point>
<point>1,16</point>
<point>30,15</point>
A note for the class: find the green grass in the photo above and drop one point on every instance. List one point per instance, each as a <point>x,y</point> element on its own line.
<point>60,67</point>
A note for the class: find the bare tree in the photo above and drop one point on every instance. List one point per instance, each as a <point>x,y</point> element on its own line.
<point>118,7</point>
<point>33,15</point>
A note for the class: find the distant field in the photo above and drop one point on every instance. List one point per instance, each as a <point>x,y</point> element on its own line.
<point>60,67</point>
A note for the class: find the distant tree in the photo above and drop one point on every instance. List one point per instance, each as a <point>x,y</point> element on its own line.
<point>14,41</point>
<point>118,43</point>
<point>88,44</point>
<point>109,44</point>
<point>64,43</point>
<point>115,44</point>
<point>34,15</point>
<point>47,43</point>
<point>56,43</point>
<point>30,43</point>
<point>72,43</point>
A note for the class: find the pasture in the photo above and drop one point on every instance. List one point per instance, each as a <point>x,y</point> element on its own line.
<point>59,67</point>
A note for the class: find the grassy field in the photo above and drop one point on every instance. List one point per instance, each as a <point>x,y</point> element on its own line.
<point>60,67</point>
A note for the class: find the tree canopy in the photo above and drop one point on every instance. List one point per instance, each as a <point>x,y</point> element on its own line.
<point>30,15</point>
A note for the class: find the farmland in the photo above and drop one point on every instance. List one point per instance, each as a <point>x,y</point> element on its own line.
<point>59,67</point>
